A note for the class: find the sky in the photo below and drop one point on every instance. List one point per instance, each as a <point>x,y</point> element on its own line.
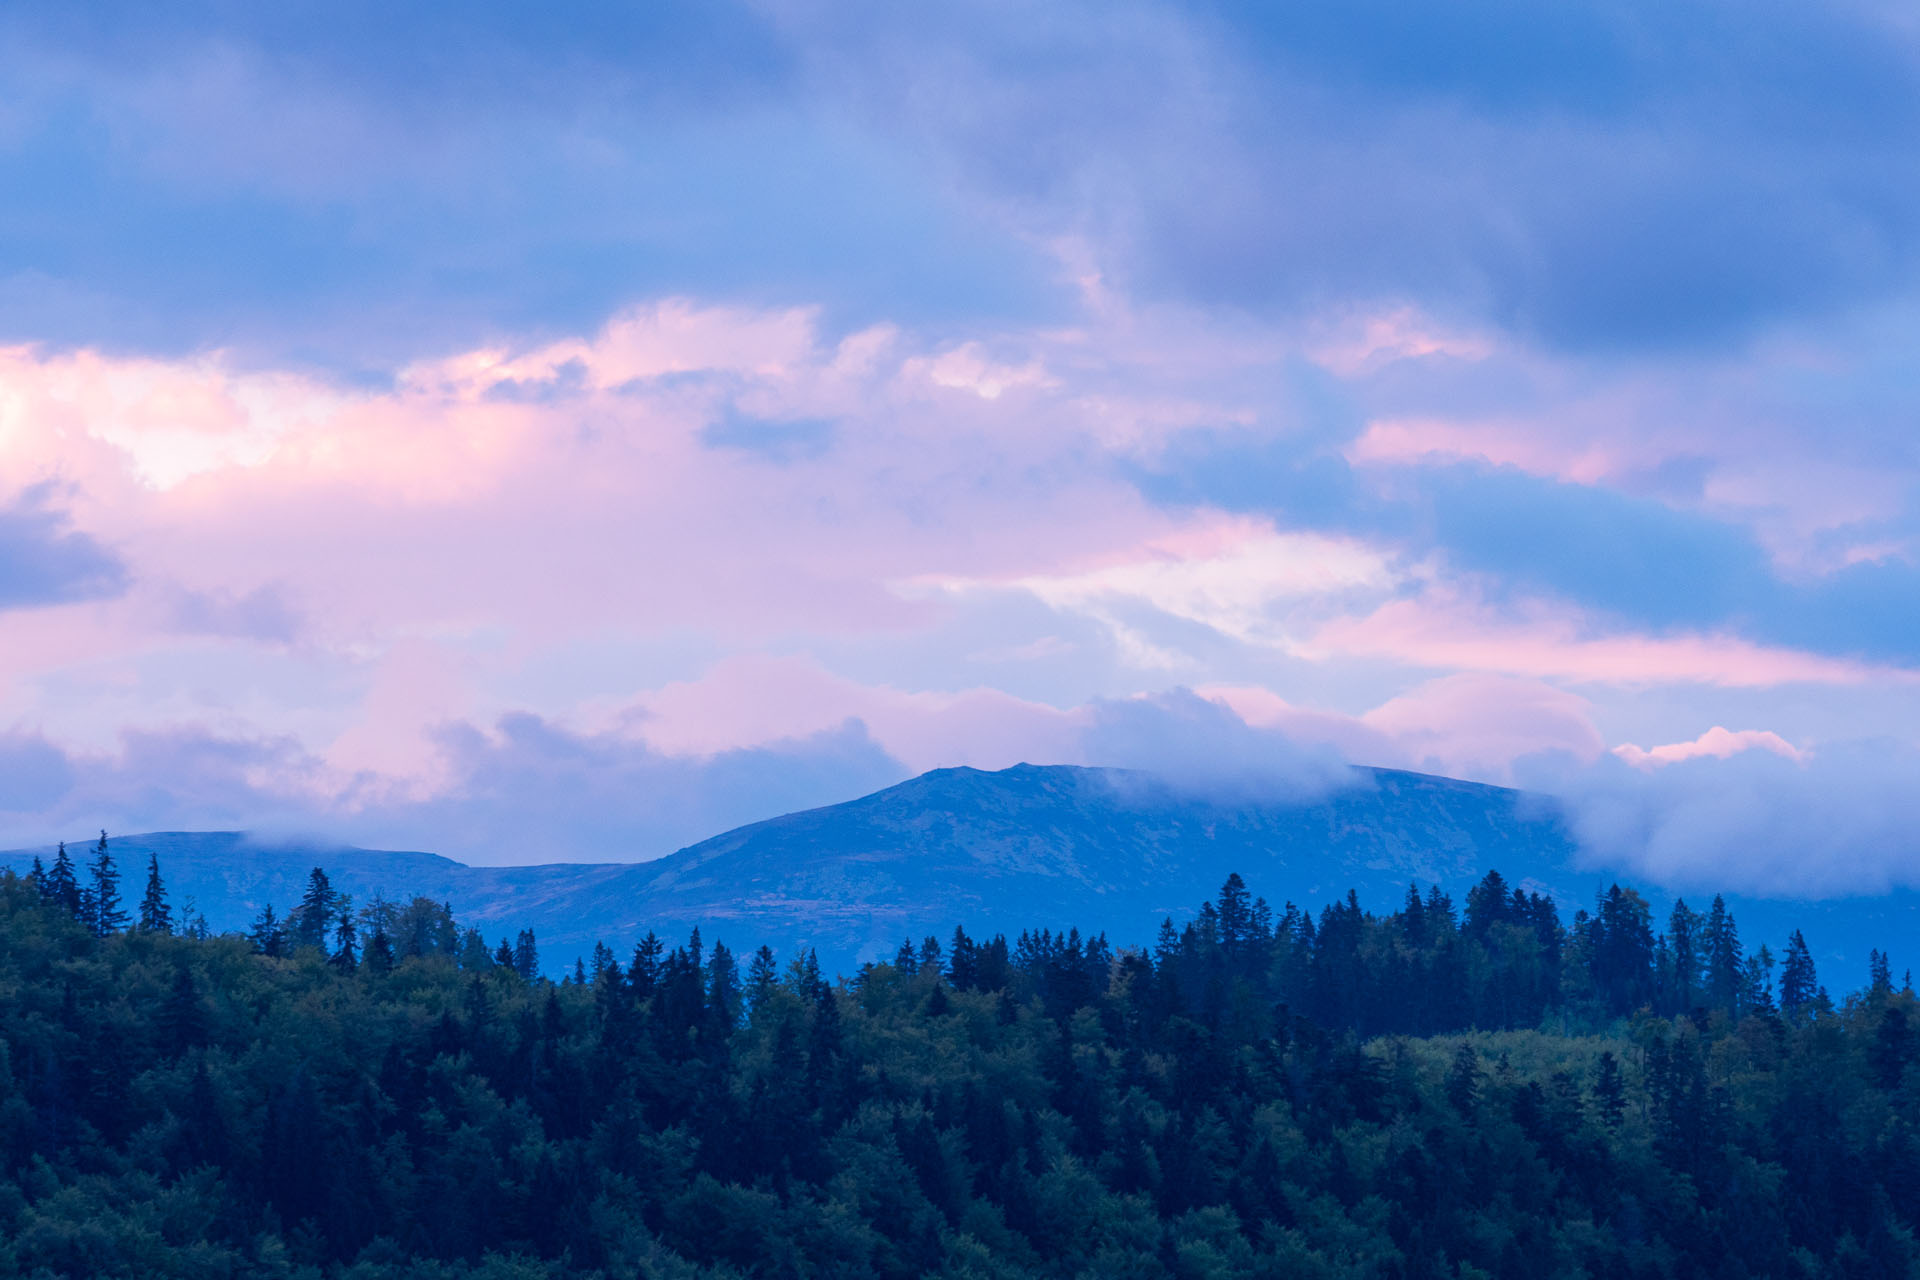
<point>566,433</point>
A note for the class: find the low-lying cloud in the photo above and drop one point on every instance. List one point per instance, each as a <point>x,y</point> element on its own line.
<point>529,791</point>
<point>1840,820</point>
<point>1199,746</point>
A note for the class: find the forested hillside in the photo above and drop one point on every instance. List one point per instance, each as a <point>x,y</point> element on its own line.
<point>1452,1089</point>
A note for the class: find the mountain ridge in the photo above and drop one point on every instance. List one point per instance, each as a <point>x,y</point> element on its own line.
<point>1029,846</point>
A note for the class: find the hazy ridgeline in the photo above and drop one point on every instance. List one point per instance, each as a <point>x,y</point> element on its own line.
<point>1452,1089</point>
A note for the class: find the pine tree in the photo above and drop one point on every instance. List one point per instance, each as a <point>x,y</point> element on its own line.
<point>346,939</point>
<point>503,957</point>
<point>63,886</point>
<point>37,877</point>
<point>1235,912</point>
<point>963,961</point>
<point>315,913</point>
<point>379,952</point>
<point>526,956</point>
<point>723,995</point>
<point>1684,934</point>
<point>267,935</point>
<point>108,916</point>
<point>763,976</point>
<point>645,973</point>
<point>155,915</point>
<point>1798,984</point>
<point>1879,975</point>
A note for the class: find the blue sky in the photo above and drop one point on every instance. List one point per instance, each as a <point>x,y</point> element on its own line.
<point>394,405</point>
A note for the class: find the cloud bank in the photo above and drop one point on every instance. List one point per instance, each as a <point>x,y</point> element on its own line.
<point>451,411</point>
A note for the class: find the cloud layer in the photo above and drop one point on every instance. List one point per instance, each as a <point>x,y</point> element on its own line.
<point>461,429</point>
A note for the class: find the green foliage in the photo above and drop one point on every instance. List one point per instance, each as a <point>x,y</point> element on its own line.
<point>1267,1093</point>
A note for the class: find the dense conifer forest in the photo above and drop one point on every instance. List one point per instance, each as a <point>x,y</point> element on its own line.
<point>1452,1089</point>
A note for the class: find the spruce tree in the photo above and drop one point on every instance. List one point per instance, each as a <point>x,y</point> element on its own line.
<point>38,877</point>
<point>1684,934</point>
<point>1235,912</point>
<point>645,973</point>
<point>1725,966</point>
<point>63,886</point>
<point>379,952</point>
<point>267,935</point>
<point>1798,984</point>
<point>346,939</point>
<point>155,915</point>
<point>315,912</point>
<point>723,996</point>
<point>504,956</point>
<point>763,975</point>
<point>526,955</point>
<point>108,915</point>
<point>1879,975</point>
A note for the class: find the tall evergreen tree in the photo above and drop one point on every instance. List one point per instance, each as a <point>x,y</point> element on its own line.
<point>1684,932</point>
<point>63,886</point>
<point>526,955</point>
<point>645,973</point>
<point>1879,975</point>
<point>108,915</point>
<point>763,977</point>
<point>380,952</point>
<point>1798,984</point>
<point>37,877</point>
<point>723,995</point>
<point>267,934</point>
<point>1235,912</point>
<point>312,918</point>
<point>346,939</point>
<point>155,915</point>
<point>1725,972</point>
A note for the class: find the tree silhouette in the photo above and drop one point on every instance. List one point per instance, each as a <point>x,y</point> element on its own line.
<point>1798,984</point>
<point>108,916</point>
<point>155,915</point>
<point>312,917</point>
<point>62,885</point>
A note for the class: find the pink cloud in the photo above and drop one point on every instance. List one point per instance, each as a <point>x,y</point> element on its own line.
<point>1521,444</point>
<point>755,699</point>
<point>1475,726</point>
<point>1446,629</point>
<point>429,545</point>
<point>1715,742</point>
<point>1470,725</point>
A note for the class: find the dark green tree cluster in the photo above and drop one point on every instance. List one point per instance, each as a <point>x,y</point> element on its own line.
<point>1427,1093</point>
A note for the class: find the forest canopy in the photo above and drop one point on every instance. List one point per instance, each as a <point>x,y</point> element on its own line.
<point>1446,1089</point>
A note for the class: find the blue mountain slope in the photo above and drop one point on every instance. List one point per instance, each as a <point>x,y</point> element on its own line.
<point>1031,846</point>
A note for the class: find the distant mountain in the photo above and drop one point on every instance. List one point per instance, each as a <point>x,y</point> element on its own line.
<point>1026,847</point>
